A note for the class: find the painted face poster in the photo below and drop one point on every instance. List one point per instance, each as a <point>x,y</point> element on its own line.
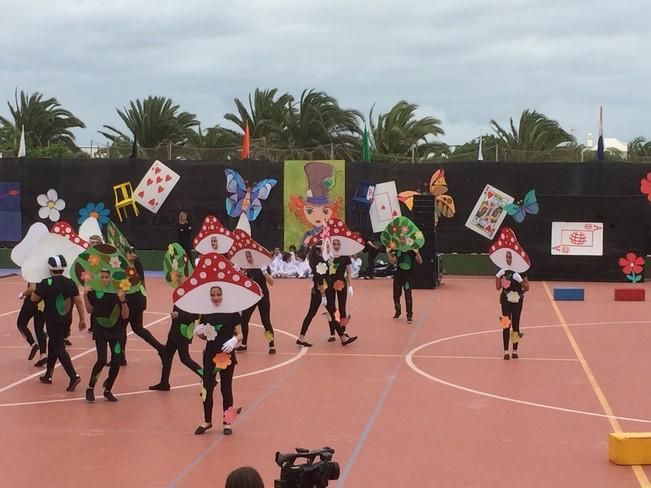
<point>314,192</point>
<point>10,216</point>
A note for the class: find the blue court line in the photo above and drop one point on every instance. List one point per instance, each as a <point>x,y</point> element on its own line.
<point>202,455</point>
<point>380,403</point>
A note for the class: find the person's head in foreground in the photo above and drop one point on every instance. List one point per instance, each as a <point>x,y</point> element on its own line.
<point>57,264</point>
<point>244,477</point>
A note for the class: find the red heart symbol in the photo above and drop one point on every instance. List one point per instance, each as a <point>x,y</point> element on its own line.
<point>158,179</point>
<point>149,181</point>
<point>161,189</point>
<point>168,178</point>
<point>489,194</point>
<point>141,194</point>
<point>151,202</point>
<point>157,170</point>
<point>395,213</point>
<point>383,207</point>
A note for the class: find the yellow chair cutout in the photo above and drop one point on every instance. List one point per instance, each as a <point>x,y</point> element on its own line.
<point>124,198</point>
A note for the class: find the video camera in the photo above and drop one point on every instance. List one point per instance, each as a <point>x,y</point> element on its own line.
<point>310,474</point>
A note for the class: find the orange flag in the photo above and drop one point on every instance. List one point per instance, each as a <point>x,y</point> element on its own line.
<point>246,142</point>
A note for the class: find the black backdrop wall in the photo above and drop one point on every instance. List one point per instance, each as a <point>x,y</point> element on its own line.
<point>606,192</point>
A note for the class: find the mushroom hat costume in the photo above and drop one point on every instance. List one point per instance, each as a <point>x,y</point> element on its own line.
<point>240,292</point>
<point>212,227</point>
<point>507,241</point>
<point>243,243</point>
<point>351,241</point>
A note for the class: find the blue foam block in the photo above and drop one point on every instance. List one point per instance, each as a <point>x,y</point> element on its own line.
<point>569,294</point>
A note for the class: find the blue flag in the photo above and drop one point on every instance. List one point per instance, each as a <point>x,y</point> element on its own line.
<point>601,155</point>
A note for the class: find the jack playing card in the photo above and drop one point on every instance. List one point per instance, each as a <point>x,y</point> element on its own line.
<point>156,186</point>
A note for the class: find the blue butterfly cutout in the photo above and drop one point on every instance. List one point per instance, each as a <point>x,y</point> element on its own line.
<point>529,205</point>
<point>245,199</point>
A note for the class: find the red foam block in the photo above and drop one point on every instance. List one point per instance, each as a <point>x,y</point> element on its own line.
<point>630,294</point>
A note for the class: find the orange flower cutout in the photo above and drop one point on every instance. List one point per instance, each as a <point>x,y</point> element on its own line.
<point>338,285</point>
<point>222,360</point>
<point>505,321</point>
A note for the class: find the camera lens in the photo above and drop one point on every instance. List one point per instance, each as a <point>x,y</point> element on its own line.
<point>333,470</point>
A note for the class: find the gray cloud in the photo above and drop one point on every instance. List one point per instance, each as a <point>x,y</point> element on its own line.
<point>464,62</point>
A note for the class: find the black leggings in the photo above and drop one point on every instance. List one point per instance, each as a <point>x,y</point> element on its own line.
<point>341,297</point>
<point>27,311</point>
<point>170,348</point>
<point>401,282</point>
<point>210,381</point>
<point>113,340</point>
<point>513,312</point>
<point>315,302</point>
<point>57,350</point>
<point>264,307</point>
<point>136,321</point>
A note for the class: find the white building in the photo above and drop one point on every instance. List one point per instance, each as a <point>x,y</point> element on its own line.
<point>609,143</point>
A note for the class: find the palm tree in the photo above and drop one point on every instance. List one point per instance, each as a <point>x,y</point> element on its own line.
<point>469,151</point>
<point>317,127</point>
<point>639,149</point>
<point>265,115</point>
<point>154,121</point>
<point>45,121</point>
<point>534,139</point>
<point>214,143</point>
<point>398,132</point>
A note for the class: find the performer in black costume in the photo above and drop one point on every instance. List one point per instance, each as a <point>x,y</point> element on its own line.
<point>340,273</point>
<point>30,310</point>
<point>402,279</point>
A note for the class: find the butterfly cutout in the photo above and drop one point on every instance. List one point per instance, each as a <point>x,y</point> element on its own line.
<point>245,199</point>
<point>528,205</point>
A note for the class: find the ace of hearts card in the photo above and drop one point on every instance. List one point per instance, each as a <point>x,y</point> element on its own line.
<point>156,186</point>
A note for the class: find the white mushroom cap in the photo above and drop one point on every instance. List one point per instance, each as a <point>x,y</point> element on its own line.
<point>239,291</point>
<point>21,250</point>
<point>90,227</point>
<point>507,241</point>
<point>61,240</point>
<point>242,243</point>
<point>212,227</point>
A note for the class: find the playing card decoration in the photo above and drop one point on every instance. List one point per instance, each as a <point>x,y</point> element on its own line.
<point>156,186</point>
<point>239,292</point>
<point>489,212</point>
<point>176,265</point>
<point>402,235</point>
<point>577,239</point>
<point>245,199</point>
<point>385,206</point>
<point>88,265</point>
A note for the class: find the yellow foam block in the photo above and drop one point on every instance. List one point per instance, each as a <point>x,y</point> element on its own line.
<point>630,448</point>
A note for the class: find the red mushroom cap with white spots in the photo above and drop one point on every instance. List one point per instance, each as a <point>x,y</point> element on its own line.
<point>64,229</point>
<point>239,291</point>
<point>507,241</point>
<point>351,241</point>
<point>212,227</point>
<point>242,243</point>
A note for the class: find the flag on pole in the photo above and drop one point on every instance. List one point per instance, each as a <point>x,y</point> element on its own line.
<point>480,155</point>
<point>22,149</point>
<point>246,143</point>
<point>601,155</point>
<point>366,146</point>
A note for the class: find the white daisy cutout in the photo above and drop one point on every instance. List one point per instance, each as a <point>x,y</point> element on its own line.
<point>206,330</point>
<point>51,205</point>
<point>513,297</point>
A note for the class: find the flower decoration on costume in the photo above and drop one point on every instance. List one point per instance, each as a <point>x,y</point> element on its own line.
<point>513,297</point>
<point>505,322</point>
<point>506,283</point>
<point>321,268</point>
<point>97,210</point>
<point>231,414</point>
<point>203,393</point>
<point>93,260</point>
<point>115,262</point>
<point>268,335</point>
<point>51,205</point>
<point>206,332</point>
<point>176,265</point>
<point>222,360</point>
<point>124,285</point>
<point>516,336</point>
<point>338,285</point>
<point>645,186</point>
<point>403,235</point>
<point>87,267</point>
<point>632,266</point>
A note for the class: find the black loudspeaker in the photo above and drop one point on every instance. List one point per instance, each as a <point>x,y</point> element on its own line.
<point>426,275</point>
<point>423,212</point>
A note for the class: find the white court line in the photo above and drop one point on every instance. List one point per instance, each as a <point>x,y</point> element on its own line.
<point>58,364</point>
<point>9,313</point>
<point>302,352</point>
<point>410,362</point>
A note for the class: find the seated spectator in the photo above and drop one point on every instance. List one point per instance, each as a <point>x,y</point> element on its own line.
<point>244,477</point>
<point>287,268</point>
<point>276,260</point>
<point>356,265</point>
<point>302,265</point>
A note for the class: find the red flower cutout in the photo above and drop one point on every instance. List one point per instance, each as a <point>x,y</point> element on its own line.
<point>631,263</point>
<point>645,186</point>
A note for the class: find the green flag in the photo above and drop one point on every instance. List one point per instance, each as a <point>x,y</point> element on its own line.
<point>366,147</point>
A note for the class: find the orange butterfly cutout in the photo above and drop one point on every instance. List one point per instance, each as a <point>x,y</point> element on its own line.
<point>438,188</point>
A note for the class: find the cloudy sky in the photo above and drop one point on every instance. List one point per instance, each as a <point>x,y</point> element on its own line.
<point>463,61</point>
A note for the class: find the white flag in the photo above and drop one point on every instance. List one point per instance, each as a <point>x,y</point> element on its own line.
<point>480,156</point>
<point>22,150</point>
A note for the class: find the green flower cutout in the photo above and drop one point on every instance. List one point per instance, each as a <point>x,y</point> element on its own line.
<point>402,235</point>
<point>176,265</point>
<point>85,270</point>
